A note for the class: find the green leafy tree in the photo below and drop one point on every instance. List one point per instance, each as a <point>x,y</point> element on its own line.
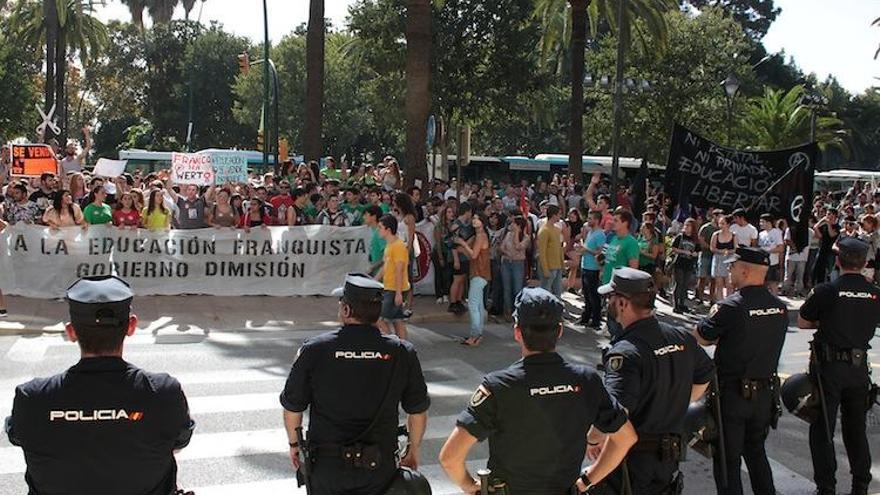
<point>20,70</point>
<point>683,85</point>
<point>755,16</point>
<point>161,11</point>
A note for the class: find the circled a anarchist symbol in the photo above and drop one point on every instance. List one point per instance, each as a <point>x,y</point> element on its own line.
<point>797,207</point>
<point>798,159</point>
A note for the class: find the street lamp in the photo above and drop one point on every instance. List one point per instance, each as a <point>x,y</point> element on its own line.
<point>619,87</point>
<point>244,65</point>
<point>813,100</point>
<point>731,88</point>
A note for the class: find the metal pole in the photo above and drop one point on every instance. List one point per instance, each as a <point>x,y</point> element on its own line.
<point>265,86</point>
<point>277,136</point>
<point>729,121</point>
<point>618,104</point>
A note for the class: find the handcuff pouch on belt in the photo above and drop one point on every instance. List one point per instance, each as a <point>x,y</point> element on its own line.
<point>361,456</point>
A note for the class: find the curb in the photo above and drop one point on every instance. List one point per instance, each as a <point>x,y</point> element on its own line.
<point>417,319</point>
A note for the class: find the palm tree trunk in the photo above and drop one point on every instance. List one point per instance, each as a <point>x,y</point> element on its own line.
<point>312,135</point>
<point>61,84</point>
<point>51,20</point>
<point>576,129</point>
<point>418,88</point>
<point>137,16</point>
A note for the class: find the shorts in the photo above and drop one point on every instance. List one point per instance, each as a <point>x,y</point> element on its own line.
<point>465,269</point>
<point>704,265</point>
<point>774,274</point>
<point>720,269</point>
<point>390,311</point>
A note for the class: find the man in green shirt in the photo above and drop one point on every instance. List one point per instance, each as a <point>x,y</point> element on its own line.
<point>96,212</point>
<point>377,245</point>
<point>623,250</point>
<point>352,205</point>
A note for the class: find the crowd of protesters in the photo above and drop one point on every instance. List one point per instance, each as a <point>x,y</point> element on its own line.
<point>489,239</point>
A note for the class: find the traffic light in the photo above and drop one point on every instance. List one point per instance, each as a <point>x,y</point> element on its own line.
<point>260,140</point>
<point>244,63</point>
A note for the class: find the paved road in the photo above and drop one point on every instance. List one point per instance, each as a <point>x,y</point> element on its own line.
<point>233,379</point>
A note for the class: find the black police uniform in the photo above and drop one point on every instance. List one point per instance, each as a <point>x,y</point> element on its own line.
<point>749,329</point>
<point>537,412</point>
<point>848,313</point>
<point>650,370</point>
<point>342,378</point>
<point>103,426</point>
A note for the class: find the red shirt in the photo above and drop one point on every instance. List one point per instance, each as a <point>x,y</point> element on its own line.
<point>281,203</point>
<point>130,219</point>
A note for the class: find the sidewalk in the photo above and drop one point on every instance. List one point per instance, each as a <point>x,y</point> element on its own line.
<point>251,313</point>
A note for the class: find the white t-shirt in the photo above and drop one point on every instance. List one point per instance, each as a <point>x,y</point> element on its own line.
<point>793,255</point>
<point>768,240</point>
<point>744,235</point>
<point>450,193</point>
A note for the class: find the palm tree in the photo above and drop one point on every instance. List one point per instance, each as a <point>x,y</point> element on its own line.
<point>560,28</point>
<point>161,11</point>
<point>136,8</point>
<point>778,120</point>
<point>188,5</point>
<point>312,134</point>
<point>418,88</point>
<point>64,26</point>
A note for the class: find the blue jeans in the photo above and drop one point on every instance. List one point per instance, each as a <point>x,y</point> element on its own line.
<point>553,283</point>
<point>475,305</point>
<point>512,276</point>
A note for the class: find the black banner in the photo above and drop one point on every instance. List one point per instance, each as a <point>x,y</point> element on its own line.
<point>702,174</point>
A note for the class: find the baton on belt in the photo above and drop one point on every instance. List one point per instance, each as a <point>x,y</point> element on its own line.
<point>721,451</point>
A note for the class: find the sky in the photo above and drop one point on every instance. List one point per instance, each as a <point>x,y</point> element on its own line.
<point>824,36</point>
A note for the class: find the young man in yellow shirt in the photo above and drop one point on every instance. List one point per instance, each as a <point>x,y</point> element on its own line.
<point>550,255</point>
<point>394,277</point>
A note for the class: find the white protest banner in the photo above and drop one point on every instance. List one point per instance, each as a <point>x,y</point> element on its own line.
<point>109,168</point>
<point>192,168</point>
<point>229,166</point>
<point>278,261</point>
<point>423,274</point>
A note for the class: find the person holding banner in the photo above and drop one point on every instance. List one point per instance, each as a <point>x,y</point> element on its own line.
<point>155,216</point>
<point>18,208</point>
<point>63,212</point>
<point>98,212</point>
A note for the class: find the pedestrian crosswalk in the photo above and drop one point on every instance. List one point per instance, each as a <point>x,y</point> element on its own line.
<point>233,381</point>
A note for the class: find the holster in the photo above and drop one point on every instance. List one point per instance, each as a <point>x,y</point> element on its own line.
<point>749,388</point>
<point>668,447</point>
<point>776,404</point>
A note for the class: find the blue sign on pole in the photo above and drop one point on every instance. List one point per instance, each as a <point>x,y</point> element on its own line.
<point>432,131</point>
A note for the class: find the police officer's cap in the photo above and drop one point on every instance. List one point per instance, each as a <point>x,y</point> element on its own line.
<point>100,301</point>
<point>536,306</point>
<point>752,256</point>
<point>628,282</point>
<point>851,246</point>
<point>360,288</point>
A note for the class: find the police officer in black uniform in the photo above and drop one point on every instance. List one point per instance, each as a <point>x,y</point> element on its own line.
<point>846,313</point>
<point>351,380</point>
<point>103,426</point>
<point>537,413</point>
<point>655,371</point>
<point>748,329</point>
